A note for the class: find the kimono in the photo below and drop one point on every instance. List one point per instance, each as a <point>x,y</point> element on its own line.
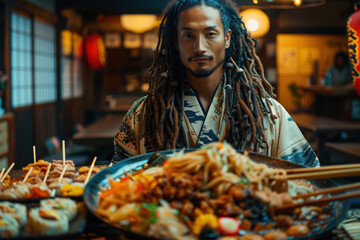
<point>284,138</point>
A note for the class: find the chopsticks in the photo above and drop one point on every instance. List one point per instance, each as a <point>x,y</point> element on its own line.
<point>317,201</point>
<point>345,170</point>
<point>325,168</point>
<point>336,189</point>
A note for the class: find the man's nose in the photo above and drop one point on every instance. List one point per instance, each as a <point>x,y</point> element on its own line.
<point>200,44</point>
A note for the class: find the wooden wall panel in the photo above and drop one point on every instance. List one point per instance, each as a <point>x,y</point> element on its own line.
<point>23,136</point>
<point>45,126</point>
<point>72,112</point>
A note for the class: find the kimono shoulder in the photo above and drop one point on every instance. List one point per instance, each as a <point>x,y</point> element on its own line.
<point>288,142</point>
<point>127,137</point>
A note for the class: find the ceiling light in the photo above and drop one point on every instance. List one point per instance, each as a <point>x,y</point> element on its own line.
<point>287,3</point>
<point>138,23</point>
<point>256,22</point>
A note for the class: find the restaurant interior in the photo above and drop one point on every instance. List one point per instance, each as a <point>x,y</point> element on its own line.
<point>80,90</point>
<point>71,69</point>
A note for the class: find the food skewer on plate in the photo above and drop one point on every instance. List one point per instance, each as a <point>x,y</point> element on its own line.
<point>7,172</point>
<point>34,154</point>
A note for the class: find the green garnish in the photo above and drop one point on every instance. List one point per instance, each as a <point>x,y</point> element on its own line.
<point>151,212</point>
<point>128,226</point>
<point>243,181</point>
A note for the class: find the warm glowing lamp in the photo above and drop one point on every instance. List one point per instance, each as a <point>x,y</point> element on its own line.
<point>256,22</point>
<point>297,3</point>
<point>66,42</point>
<point>138,23</point>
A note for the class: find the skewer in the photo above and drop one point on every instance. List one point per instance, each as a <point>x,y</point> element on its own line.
<point>28,174</point>
<point>2,172</point>
<point>90,171</point>
<point>63,151</point>
<point>318,201</point>
<point>326,174</point>
<point>337,189</point>
<point>47,173</point>
<point>62,173</point>
<point>34,154</point>
<point>7,172</point>
<point>319,169</point>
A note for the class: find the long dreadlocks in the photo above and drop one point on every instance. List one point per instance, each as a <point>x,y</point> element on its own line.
<point>247,89</point>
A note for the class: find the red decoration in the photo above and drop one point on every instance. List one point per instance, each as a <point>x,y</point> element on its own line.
<point>353,28</point>
<point>95,51</point>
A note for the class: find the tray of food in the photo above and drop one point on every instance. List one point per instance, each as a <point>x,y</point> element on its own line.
<point>43,179</point>
<point>44,199</point>
<point>48,217</point>
<point>210,193</point>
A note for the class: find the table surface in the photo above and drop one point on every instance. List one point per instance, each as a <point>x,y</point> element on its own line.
<point>101,132</point>
<point>344,90</point>
<point>318,124</point>
<point>351,149</point>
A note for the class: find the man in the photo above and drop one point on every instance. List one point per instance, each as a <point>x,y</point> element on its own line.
<point>207,84</point>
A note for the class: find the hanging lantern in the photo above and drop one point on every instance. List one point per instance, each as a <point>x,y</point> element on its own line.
<point>95,51</point>
<point>256,22</point>
<point>353,28</point>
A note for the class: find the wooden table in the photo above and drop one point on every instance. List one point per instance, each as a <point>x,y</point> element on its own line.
<point>321,127</point>
<point>344,90</point>
<point>97,112</point>
<point>331,101</point>
<point>347,150</point>
<point>101,132</point>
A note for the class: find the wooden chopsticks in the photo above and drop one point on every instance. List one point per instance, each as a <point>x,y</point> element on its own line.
<point>317,201</point>
<point>325,174</point>
<point>334,171</point>
<point>319,169</point>
<point>336,189</point>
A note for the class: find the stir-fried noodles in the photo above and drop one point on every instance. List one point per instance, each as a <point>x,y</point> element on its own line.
<point>214,187</point>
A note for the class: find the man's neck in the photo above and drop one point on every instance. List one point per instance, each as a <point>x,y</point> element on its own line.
<point>205,87</point>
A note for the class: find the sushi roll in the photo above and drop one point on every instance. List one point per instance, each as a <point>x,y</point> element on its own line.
<point>65,206</point>
<point>14,210</point>
<point>9,227</point>
<point>47,222</point>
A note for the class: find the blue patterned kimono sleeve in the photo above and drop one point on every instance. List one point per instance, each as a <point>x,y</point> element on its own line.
<point>126,138</point>
<point>290,143</point>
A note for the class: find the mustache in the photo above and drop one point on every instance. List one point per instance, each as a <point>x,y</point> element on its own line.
<point>208,57</point>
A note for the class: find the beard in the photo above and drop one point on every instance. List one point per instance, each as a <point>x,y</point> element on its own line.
<point>204,72</point>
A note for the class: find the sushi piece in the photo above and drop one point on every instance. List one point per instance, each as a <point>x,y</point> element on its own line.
<point>14,210</point>
<point>65,206</point>
<point>9,227</point>
<point>47,222</point>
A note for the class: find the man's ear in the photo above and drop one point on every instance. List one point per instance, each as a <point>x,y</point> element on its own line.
<point>227,39</point>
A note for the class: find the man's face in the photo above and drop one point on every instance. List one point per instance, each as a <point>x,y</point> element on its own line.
<point>201,40</point>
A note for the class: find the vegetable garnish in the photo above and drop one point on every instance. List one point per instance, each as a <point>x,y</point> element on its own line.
<point>228,225</point>
<point>37,192</point>
<point>244,181</point>
<point>205,220</point>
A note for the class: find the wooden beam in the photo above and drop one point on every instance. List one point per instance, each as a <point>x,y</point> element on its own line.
<point>35,10</point>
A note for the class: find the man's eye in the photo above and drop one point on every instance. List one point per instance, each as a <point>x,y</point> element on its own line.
<point>212,34</point>
<point>187,35</point>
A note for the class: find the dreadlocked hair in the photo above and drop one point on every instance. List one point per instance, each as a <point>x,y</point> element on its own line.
<point>248,92</point>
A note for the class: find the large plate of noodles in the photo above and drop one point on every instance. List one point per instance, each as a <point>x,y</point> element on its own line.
<point>99,184</point>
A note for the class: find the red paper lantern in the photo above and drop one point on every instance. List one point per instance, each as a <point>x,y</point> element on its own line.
<point>353,27</point>
<point>95,51</point>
